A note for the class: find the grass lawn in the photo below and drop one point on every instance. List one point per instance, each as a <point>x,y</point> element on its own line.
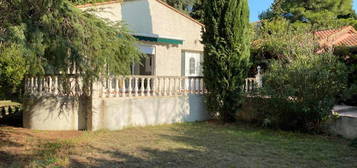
<point>181,145</point>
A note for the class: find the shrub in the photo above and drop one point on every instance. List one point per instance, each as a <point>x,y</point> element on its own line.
<point>349,56</point>
<point>12,70</point>
<point>302,92</point>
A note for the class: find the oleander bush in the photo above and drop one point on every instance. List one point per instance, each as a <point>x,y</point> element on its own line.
<point>302,93</point>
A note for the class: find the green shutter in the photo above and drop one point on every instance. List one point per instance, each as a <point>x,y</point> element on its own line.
<point>159,40</point>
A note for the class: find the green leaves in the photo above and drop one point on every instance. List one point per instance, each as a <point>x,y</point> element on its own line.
<point>53,36</point>
<point>303,91</point>
<point>226,39</point>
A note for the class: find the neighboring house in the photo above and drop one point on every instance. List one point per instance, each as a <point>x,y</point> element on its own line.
<point>170,39</point>
<point>345,36</point>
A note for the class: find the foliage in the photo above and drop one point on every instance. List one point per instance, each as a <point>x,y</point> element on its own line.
<point>349,56</point>
<point>52,36</point>
<point>319,14</point>
<point>279,39</point>
<point>183,5</point>
<point>197,10</point>
<point>81,2</point>
<point>302,86</point>
<point>226,40</point>
<point>354,143</point>
<point>303,91</point>
<point>12,69</point>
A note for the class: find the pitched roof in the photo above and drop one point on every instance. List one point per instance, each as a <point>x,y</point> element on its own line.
<point>345,36</point>
<point>159,1</point>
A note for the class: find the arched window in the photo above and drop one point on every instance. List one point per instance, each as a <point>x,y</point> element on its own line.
<point>192,66</point>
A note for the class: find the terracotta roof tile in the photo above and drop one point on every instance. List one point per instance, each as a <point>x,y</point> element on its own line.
<point>345,36</point>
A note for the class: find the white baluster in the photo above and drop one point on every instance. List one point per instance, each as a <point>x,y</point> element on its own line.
<point>136,86</point>
<point>202,89</point>
<point>246,85</point>
<point>55,86</point>
<point>149,86</point>
<point>174,86</point>
<point>50,83</point>
<point>190,85</point>
<point>116,90</point>
<point>109,86</point>
<point>32,85</point>
<point>180,85</point>
<point>185,86</point>
<point>158,86</point>
<point>169,89</point>
<point>40,87</point>
<point>194,87</point>
<point>124,87</point>
<point>258,78</point>
<point>164,86</point>
<point>130,87</point>
<point>142,88</point>
<point>35,89</point>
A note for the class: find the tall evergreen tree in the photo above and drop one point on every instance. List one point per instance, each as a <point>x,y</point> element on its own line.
<point>227,55</point>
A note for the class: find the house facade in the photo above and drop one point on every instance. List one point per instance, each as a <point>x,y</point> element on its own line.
<point>167,87</point>
<point>170,39</point>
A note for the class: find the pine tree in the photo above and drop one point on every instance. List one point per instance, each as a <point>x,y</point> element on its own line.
<point>197,10</point>
<point>311,10</point>
<point>183,5</point>
<point>339,7</point>
<point>227,55</point>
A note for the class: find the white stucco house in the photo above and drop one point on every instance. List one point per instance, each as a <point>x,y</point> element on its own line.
<point>170,39</point>
<point>167,87</point>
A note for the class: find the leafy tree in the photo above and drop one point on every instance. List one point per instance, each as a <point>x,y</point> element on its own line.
<point>52,36</point>
<point>226,39</point>
<point>320,14</point>
<point>183,5</point>
<point>197,10</point>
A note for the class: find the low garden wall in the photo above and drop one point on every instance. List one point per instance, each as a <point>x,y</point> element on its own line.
<point>119,113</point>
<point>114,103</point>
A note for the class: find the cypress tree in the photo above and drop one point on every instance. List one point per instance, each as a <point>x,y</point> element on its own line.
<point>226,40</point>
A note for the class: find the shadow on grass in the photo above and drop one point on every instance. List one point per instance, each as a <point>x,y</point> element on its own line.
<point>198,145</point>
<point>8,146</point>
<point>209,145</point>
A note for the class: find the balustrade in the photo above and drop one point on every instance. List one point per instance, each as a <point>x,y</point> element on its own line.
<point>125,86</point>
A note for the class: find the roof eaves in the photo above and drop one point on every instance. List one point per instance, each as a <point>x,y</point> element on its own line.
<point>179,12</point>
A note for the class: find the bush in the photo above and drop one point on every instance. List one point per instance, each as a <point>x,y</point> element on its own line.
<point>349,56</point>
<point>302,92</point>
<point>12,70</point>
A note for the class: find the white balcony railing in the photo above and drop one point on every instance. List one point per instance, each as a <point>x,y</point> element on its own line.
<point>135,86</point>
<point>125,86</point>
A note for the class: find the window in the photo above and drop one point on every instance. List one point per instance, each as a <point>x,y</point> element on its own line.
<point>192,66</point>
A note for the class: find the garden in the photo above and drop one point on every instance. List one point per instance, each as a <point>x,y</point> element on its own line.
<point>285,123</point>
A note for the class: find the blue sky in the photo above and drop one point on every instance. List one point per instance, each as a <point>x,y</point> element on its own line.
<point>258,6</point>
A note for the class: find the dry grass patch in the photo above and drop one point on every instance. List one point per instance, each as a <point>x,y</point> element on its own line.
<point>180,145</point>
